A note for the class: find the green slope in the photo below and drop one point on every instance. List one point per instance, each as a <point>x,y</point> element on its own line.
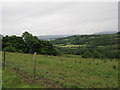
<point>60,71</point>
<point>105,44</point>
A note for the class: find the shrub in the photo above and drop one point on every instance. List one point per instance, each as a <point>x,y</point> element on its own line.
<point>89,63</point>
<point>20,51</point>
<point>97,63</point>
<point>87,54</point>
<point>96,54</point>
<point>10,49</point>
<point>114,67</point>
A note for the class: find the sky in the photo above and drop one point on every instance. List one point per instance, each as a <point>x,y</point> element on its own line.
<point>59,18</point>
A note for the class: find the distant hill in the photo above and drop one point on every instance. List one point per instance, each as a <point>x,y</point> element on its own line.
<point>106,32</point>
<point>52,37</point>
<point>102,39</point>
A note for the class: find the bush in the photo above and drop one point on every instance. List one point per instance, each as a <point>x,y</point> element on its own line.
<point>20,51</point>
<point>87,54</point>
<point>10,49</point>
<point>96,54</point>
<point>114,67</point>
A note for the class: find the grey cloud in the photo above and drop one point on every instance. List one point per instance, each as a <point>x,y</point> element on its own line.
<point>59,18</point>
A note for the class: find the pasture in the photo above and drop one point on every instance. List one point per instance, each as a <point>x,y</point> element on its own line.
<point>63,71</point>
<point>70,46</point>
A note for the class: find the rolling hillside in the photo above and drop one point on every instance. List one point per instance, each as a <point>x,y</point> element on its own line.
<point>59,72</point>
<point>104,44</point>
<point>106,32</point>
<point>51,37</point>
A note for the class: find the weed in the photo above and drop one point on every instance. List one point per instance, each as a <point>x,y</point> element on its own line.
<point>114,67</point>
<point>89,63</point>
<point>97,63</point>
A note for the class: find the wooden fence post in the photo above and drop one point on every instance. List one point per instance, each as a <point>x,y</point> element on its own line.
<point>4,53</point>
<point>34,67</point>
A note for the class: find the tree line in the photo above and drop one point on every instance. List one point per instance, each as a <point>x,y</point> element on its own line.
<point>27,43</point>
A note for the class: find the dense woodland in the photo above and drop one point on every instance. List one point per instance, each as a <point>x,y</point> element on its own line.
<point>27,43</point>
<point>90,46</point>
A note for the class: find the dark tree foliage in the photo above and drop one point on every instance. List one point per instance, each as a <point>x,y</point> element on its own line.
<point>97,54</point>
<point>118,32</point>
<point>27,44</point>
<point>1,42</point>
<point>10,49</point>
<point>13,41</point>
<point>87,54</point>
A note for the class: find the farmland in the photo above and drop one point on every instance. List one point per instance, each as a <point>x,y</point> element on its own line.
<point>60,71</point>
<point>59,45</point>
<point>89,46</point>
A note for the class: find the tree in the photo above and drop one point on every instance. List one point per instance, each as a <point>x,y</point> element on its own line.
<point>28,44</point>
<point>1,42</point>
<point>13,41</point>
<point>39,46</point>
<point>32,42</point>
<point>87,54</point>
<point>10,49</point>
<point>96,54</point>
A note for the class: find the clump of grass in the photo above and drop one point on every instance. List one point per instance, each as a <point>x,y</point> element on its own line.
<point>114,67</point>
<point>80,62</point>
<point>57,81</point>
<point>89,63</point>
<point>107,76</point>
<point>105,61</point>
<point>65,76</point>
<point>74,69</point>
<point>74,86</point>
<point>81,70</point>
<point>97,63</point>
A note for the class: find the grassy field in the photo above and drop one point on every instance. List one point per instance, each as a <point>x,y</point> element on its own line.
<point>61,71</point>
<point>13,80</point>
<point>70,46</point>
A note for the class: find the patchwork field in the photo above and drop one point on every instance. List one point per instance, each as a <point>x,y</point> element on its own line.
<point>61,71</point>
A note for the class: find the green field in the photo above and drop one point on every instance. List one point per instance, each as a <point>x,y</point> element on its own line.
<point>13,80</point>
<point>89,46</point>
<point>60,71</point>
<point>70,46</point>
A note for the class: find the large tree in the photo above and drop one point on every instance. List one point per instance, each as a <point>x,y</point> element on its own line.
<point>13,41</point>
<point>28,44</point>
<point>31,41</point>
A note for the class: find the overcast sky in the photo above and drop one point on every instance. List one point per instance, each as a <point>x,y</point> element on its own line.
<point>59,18</point>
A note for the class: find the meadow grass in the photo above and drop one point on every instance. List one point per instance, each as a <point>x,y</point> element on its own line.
<point>71,72</point>
<point>13,80</point>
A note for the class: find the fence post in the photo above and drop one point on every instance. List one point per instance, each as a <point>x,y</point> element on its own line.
<point>34,67</point>
<point>4,53</point>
